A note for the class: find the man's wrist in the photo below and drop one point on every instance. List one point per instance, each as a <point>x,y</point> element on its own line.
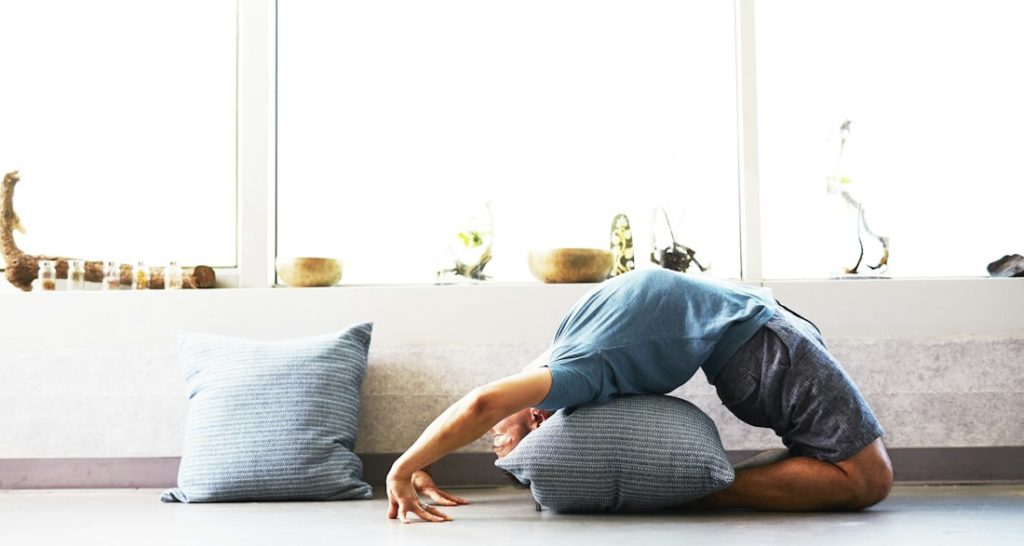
<point>402,469</point>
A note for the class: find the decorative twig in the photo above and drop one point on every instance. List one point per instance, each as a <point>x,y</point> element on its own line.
<point>838,184</point>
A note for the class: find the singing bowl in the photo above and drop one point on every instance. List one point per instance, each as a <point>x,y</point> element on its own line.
<point>571,265</point>
<point>309,271</point>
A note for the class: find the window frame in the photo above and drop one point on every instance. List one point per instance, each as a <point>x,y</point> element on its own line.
<point>256,169</point>
<point>258,134</point>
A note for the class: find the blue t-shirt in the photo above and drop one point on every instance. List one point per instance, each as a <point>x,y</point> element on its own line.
<point>647,332</point>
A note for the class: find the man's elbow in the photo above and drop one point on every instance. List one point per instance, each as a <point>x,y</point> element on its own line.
<point>499,399</point>
<point>486,404</point>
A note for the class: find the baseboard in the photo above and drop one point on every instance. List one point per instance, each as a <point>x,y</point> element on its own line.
<point>928,465</point>
<point>92,473</point>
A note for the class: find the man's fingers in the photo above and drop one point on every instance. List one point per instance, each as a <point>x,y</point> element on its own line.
<point>454,498</point>
<point>433,511</point>
<point>443,501</point>
<point>443,497</point>
<point>440,497</point>
<point>425,513</point>
<point>392,507</point>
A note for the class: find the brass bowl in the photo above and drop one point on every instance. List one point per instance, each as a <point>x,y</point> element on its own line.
<point>309,271</point>
<point>569,265</point>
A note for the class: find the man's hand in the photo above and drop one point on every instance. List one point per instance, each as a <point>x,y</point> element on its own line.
<point>424,483</point>
<point>464,421</point>
<point>403,500</point>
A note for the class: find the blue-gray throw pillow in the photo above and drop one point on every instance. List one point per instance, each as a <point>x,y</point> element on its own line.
<point>272,420</point>
<point>631,454</point>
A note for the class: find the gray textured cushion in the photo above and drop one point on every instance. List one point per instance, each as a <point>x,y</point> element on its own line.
<point>632,454</point>
<point>272,420</point>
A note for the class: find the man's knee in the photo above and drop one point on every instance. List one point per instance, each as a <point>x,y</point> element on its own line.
<point>871,476</point>
<point>872,485</point>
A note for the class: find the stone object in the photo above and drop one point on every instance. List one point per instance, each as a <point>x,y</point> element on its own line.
<point>309,271</point>
<point>571,265</point>
<point>1007,266</point>
<point>621,244</point>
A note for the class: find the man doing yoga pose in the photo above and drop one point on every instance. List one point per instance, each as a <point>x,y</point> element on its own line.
<point>647,332</point>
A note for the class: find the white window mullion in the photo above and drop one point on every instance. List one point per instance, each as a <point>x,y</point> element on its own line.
<point>750,191</point>
<point>256,91</point>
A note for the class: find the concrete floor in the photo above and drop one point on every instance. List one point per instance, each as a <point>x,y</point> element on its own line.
<point>986,515</point>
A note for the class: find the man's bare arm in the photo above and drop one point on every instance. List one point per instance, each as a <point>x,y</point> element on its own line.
<point>465,421</point>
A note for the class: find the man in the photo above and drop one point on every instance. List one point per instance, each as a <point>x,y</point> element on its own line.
<point>647,332</point>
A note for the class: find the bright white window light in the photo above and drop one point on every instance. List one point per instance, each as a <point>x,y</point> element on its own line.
<point>398,120</point>
<point>120,116</point>
<point>935,91</point>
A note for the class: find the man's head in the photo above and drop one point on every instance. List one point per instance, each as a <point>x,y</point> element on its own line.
<point>512,429</point>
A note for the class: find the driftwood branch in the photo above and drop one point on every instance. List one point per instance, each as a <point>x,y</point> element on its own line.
<point>852,202</point>
<point>23,268</point>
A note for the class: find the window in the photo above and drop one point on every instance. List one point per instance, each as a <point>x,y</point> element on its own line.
<point>934,91</point>
<point>120,116</point>
<point>398,121</point>
<point>401,124</point>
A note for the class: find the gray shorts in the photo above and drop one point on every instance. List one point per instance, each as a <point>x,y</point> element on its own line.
<point>784,379</point>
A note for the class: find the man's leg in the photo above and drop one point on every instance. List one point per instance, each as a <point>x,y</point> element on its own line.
<point>805,484</point>
<point>785,379</point>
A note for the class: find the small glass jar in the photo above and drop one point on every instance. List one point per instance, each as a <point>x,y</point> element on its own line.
<point>47,275</point>
<point>76,275</point>
<point>173,277</point>
<point>156,277</point>
<point>140,277</point>
<point>112,276</point>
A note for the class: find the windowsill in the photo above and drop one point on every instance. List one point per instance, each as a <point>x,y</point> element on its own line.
<point>229,280</point>
<point>496,312</point>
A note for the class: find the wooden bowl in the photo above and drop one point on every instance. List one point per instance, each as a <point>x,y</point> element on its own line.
<point>565,265</point>
<point>309,271</point>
